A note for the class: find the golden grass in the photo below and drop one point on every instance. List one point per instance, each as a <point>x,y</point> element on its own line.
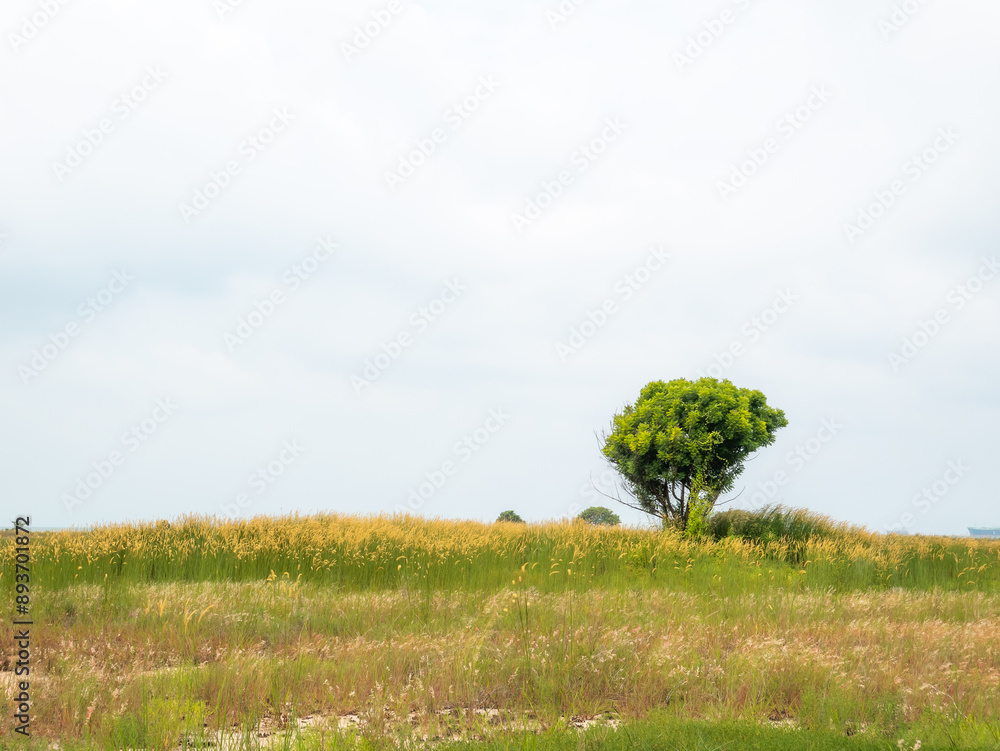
<point>245,652</point>
<point>390,551</point>
<point>149,634</point>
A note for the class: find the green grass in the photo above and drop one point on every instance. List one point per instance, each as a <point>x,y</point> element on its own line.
<point>745,552</point>
<point>658,734</point>
<point>147,635</point>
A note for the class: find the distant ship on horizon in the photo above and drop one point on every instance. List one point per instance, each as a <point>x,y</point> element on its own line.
<point>987,532</point>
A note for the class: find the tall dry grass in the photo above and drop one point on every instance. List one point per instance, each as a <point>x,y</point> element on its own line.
<point>150,635</point>
<point>385,552</point>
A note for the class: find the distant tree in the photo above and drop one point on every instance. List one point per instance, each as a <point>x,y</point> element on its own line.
<point>684,443</point>
<point>600,517</point>
<point>510,516</point>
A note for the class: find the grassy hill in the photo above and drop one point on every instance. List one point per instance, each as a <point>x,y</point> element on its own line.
<point>784,630</point>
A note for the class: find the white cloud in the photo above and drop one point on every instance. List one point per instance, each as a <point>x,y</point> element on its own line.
<point>657,185</point>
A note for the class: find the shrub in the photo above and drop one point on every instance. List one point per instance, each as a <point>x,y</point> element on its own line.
<point>783,532</point>
<point>773,523</point>
<point>600,516</point>
<point>510,516</point>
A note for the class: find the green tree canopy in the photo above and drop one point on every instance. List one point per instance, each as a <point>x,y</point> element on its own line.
<point>510,516</point>
<point>684,443</point>
<point>600,516</point>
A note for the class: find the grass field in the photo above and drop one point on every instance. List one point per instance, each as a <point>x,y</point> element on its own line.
<point>348,632</point>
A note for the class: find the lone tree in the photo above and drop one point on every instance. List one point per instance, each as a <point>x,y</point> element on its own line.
<point>600,517</point>
<point>510,516</point>
<point>684,443</point>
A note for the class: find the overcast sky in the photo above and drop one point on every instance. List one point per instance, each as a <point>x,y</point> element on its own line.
<point>262,257</point>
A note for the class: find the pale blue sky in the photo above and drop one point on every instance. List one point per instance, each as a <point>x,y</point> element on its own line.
<point>116,114</point>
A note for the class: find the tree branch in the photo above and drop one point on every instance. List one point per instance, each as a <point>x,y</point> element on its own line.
<point>731,500</point>
<point>618,499</point>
